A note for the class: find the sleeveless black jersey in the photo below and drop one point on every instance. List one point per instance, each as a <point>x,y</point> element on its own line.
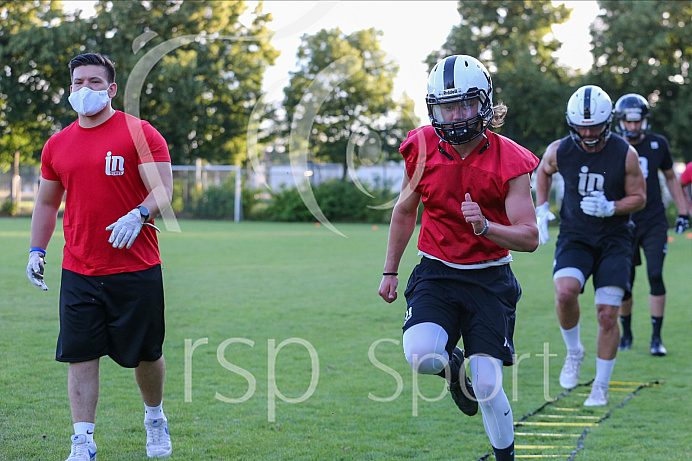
<point>584,172</point>
<point>654,155</point>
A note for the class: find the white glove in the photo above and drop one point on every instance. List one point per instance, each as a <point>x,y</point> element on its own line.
<point>543,216</point>
<point>125,230</point>
<point>597,205</point>
<point>34,270</point>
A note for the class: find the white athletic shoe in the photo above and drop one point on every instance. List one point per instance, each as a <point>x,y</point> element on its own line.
<point>81,449</point>
<point>158,438</point>
<point>569,376</point>
<point>657,347</point>
<point>598,396</point>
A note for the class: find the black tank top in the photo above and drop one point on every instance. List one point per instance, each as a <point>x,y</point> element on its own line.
<point>585,172</point>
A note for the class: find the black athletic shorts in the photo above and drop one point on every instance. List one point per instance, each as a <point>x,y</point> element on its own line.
<point>607,257</point>
<point>478,305</point>
<point>119,315</point>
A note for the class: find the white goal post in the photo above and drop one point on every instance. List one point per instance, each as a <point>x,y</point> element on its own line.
<point>201,178</point>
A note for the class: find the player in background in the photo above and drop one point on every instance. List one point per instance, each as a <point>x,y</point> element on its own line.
<point>475,189</point>
<point>686,183</point>
<point>116,172</point>
<point>603,185</point>
<point>651,223</point>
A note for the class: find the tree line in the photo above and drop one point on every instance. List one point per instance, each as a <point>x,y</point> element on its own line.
<point>197,69</point>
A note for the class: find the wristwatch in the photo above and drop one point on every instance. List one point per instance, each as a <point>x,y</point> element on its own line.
<point>144,211</point>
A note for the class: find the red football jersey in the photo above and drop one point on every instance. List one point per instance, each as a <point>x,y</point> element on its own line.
<point>99,169</point>
<point>686,176</point>
<point>443,183</point>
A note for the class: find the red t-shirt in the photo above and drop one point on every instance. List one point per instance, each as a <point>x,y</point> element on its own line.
<point>99,169</point>
<point>443,183</point>
<point>686,176</point>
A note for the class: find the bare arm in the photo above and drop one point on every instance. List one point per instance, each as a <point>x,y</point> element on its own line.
<point>544,173</point>
<point>687,190</point>
<point>676,192</point>
<point>522,233</point>
<point>45,212</point>
<point>158,179</point>
<point>635,186</point>
<point>402,225</point>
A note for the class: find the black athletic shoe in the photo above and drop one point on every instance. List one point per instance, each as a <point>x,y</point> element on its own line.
<point>657,347</point>
<point>462,396</point>
<point>625,343</point>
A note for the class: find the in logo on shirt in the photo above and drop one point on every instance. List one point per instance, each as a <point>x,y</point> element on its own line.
<point>115,165</point>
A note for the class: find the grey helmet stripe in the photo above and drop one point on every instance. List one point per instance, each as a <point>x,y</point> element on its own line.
<point>587,102</point>
<point>448,73</point>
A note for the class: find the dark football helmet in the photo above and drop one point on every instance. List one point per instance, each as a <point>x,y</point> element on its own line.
<point>631,108</point>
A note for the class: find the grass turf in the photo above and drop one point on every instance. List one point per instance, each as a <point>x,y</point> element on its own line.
<point>297,357</point>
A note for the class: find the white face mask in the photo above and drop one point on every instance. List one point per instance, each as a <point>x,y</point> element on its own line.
<point>87,101</point>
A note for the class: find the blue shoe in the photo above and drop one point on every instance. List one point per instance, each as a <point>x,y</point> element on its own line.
<point>81,449</point>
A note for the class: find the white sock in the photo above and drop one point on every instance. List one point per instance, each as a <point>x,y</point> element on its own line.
<point>604,368</point>
<point>154,412</point>
<point>86,429</point>
<point>572,340</point>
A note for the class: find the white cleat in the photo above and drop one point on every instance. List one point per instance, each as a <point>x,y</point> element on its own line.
<point>569,376</point>
<point>598,396</point>
<point>81,449</point>
<point>158,438</point>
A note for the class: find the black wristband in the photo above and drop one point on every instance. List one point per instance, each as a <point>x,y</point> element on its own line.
<point>390,273</point>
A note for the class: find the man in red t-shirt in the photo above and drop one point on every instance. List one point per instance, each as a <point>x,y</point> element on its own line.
<point>476,194</point>
<point>115,173</point>
<point>686,182</point>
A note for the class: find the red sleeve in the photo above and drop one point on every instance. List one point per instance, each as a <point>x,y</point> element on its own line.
<point>47,171</point>
<point>517,160</point>
<point>686,177</point>
<point>415,149</point>
<point>150,145</point>
<point>154,148</point>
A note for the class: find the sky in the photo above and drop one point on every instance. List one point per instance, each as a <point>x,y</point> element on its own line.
<point>411,30</point>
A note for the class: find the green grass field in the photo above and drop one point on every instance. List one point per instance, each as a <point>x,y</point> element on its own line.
<point>278,348</point>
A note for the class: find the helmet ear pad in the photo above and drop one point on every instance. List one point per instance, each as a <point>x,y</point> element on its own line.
<point>454,79</point>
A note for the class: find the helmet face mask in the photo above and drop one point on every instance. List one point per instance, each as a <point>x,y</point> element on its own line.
<point>459,99</point>
<point>631,107</point>
<point>588,107</point>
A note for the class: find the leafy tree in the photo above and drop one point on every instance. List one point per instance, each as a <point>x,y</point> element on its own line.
<point>29,78</point>
<point>514,40</point>
<point>200,69</point>
<point>341,93</point>
<point>646,48</point>
<point>201,92</point>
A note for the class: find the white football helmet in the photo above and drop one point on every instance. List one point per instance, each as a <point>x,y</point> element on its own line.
<point>589,106</point>
<point>460,99</point>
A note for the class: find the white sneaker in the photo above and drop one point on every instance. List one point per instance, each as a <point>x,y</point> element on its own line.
<point>598,396</point>
<point>158,438</point>
<point>81,449</point>
<point>569,376</point>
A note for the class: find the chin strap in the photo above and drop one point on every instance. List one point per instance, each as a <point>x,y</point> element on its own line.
<point>487,144</point>
<point>443,152</point>
<point>446,154</point>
